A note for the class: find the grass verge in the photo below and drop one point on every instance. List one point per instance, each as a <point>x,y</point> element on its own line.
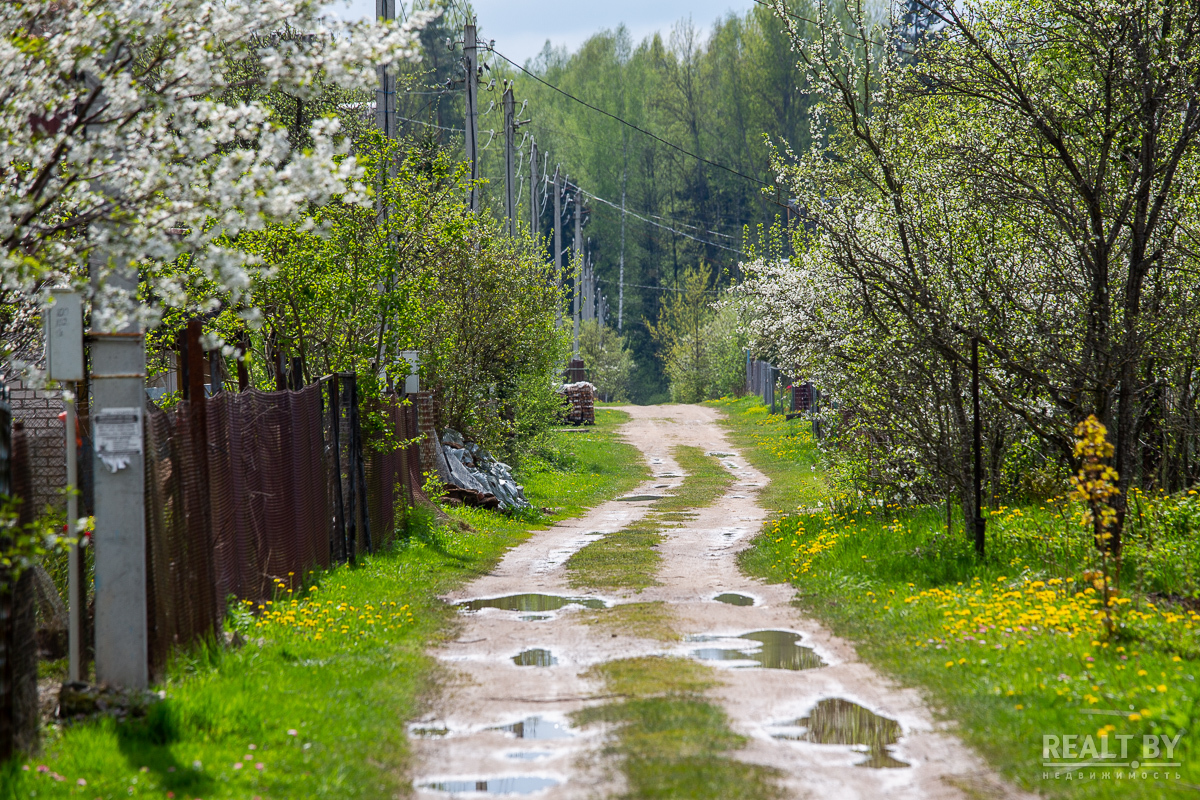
<point>1010,646</point>
<point>671,742</point>
<point>314,705</point>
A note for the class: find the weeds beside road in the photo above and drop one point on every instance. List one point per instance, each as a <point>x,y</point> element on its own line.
<point>1012,647</point>
<point>313,705</point>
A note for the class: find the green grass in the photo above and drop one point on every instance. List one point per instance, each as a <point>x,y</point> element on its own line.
<point>1009,646</point>
<point>325,717</point>
<point>783,450</point>
<point>645,620</point>
<point>628,559</point>
<point>671,742</point>
<point>706,481</point>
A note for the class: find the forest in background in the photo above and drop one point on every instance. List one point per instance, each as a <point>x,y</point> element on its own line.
<point>730,94</point>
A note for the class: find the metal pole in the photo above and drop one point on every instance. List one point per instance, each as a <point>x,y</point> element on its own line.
<point>471,57</point>
<point>510,172</point>
<point>74,601</point>
<point>558,246</point>
<point>978,447</point>
<point>577,262</point>
<point>621,286</point>
<point>534,221</point>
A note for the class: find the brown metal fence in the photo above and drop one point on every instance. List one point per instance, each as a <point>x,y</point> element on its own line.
<point>283,484</point>
<point>18,626</point>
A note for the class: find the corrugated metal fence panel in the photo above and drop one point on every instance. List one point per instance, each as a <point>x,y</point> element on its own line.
<point>258,504</point>
<point>18,624</point>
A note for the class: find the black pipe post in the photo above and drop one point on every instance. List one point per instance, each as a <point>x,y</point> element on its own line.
<point>978,436</point>
<point>351,473</point>
<point>335,437</point>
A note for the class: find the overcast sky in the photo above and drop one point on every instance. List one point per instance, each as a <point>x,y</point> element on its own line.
<point>521,27</point>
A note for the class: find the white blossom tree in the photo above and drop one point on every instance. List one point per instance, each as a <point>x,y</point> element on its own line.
<point>123,138</point>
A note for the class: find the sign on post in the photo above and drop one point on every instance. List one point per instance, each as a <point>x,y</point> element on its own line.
<point>412,384</point>
<point>63,322</point>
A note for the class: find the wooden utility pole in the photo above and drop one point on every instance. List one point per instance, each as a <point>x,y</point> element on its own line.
<point>558,246</point>
<point>577,262</point>
<point>978,447</point>
<point>510,161</point>
<point>471,63</point>
<point>385,96</point>
<point>534,221</point>
<point>621,285</point>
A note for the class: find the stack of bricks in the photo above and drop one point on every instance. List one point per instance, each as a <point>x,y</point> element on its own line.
<point>427,429</point>
<point>38,410</point>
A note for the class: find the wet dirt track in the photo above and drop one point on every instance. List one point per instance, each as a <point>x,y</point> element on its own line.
<point>500,727</point>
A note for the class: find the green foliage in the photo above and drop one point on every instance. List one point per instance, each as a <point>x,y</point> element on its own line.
<point>1011,646</point>
<point>609,362</point>
<point>699,345</point>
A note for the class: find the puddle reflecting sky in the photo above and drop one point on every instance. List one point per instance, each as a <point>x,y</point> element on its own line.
<point>537,728</point>
<point>530,602</point>
<point>734,599</point>
<point>518,785</point>
<point>637,498</point>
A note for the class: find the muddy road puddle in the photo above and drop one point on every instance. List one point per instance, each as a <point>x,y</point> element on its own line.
<point>534,657</point>
<point>835,720</point>
<point>536,729</point>
<point>530,602</point>
<point>774,650</point>
<point>639,498</point>
<point>734,599</point>
<point>522,784</point>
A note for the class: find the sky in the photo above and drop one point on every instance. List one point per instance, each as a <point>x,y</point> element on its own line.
<point>521,27</point>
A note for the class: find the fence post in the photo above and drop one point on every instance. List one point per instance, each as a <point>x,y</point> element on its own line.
<point>351,476</point>
<point>335,438</point>
<point>357,465</point>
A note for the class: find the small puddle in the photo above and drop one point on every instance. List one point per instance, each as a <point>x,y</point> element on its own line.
<point>734,599</point>
<point>531,602</point>
<point>536,657</point>
<point>529,755</point>
<point>518,785</point>
<point>838,721</point>
<point>720,455</point>
<point>779,650</point>
<point>669,475</point>
<point>533,617</point>
<point>637,498</point>
<point>428,733</point>
<point>536,728</point>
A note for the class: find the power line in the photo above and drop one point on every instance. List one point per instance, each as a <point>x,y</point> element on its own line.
<point>660,225</point>
<point>657,138</point>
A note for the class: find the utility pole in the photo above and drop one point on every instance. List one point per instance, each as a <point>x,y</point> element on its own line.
<point>471,62</point>
<point>118,370</point>
<point>385,96</point>
<point>510,160</point>
<point>558,246</point>
<point>578,261</point>
<point>534,222</point>
<point>621,286</point>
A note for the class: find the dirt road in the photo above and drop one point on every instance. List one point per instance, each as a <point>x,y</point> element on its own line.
<point>501,725</point>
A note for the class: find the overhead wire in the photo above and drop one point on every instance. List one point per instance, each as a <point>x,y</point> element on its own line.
<point>628,124</point>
